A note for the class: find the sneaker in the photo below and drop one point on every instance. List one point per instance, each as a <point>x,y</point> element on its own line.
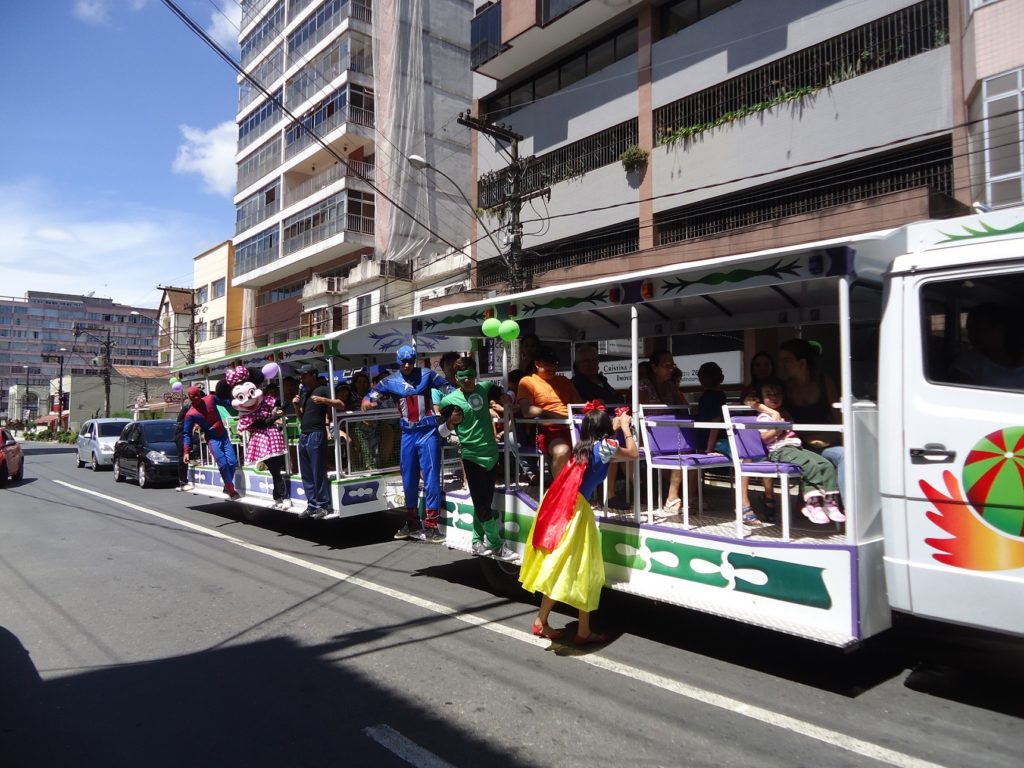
<point>618,502</point>
<point>430,535</point>
<point>187,487</point>
<point>479,548</point>
<point>502,554</point>
<point>307,513</point>
<point>834,511</point>
<point>405,532</point>
<point>322,513</point>
<point>814,510</point>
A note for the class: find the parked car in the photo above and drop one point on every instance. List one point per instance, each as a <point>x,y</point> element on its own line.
<point>146,451</point>
<point>12,459</point>
<point>95,443</point>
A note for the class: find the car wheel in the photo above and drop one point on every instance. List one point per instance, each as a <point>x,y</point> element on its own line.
<point>143,478</point>
<point>78,460</point>
<point>94,465</point>
<point>118,476</point>
<point>20,474</point>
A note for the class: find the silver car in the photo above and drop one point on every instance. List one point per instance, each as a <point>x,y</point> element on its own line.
<point>95,443</point>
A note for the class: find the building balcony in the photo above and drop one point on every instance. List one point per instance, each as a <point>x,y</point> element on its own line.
<point>299,190</point>
<point>347,115</point>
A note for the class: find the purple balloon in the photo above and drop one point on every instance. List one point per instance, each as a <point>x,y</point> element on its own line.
<point>177,386</point>
<point>270,370</point>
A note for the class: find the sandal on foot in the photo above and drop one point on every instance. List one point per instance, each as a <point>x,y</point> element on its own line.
<point>543,630</point>
<point>594,638</point>
<point>751,519</point>
<point>672,506</point>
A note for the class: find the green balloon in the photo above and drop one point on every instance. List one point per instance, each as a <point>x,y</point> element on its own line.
<point>509,330</point>
<point>174,380</point>
<point>491,327</point>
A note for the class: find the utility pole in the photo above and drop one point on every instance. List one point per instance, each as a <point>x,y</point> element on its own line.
<point>194,310</point>
<point>106,345</point>
<point>515,197</point>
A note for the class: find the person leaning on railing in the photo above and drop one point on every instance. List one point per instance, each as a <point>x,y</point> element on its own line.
<point>546,394</point>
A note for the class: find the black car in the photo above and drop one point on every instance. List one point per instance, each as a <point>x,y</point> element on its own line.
<point>146,451</point>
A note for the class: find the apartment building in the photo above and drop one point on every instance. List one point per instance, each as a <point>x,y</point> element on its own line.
<point>685,129</point>
<point>217,303</point>
<point>36,331</point>
<point>334,227</point>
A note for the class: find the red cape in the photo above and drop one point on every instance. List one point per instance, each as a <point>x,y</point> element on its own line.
<point>557,507</point>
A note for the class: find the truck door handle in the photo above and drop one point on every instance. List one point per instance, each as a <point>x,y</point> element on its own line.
<point>932,453</point>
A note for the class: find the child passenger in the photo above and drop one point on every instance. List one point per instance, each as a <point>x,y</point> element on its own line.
<point>819,484</point>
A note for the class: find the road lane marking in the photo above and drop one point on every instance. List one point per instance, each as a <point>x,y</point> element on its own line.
<point>735,706</point>
<point>405,748</point>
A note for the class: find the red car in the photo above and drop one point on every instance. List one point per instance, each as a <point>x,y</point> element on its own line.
<point>12,460</point>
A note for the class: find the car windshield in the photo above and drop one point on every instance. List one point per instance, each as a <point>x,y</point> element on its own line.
<point>110,428</point>
<point>158,433</point>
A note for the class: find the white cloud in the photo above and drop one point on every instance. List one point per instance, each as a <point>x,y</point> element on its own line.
<point>119,251</point>
<point>91,11</point>
<point>99,11</point>
<point>225,20</point>
<point>211,154</point>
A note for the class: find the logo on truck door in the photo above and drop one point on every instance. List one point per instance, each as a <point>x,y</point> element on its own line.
<point>986,518</point>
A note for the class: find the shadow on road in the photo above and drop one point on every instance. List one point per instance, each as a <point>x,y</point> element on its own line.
<point>44,449</point>
<point>267,703</point>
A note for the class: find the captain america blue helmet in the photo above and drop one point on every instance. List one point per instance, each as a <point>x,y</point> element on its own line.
<point>406,354</point>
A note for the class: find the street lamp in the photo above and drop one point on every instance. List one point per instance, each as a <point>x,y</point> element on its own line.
<point>420,164</point>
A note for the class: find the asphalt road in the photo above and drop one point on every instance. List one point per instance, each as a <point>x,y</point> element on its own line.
<point>148,627</point>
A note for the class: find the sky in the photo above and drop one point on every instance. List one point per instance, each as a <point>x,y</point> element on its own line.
<point>118,140</point>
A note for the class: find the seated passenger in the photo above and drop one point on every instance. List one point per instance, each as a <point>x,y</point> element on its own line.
<point>546,394</point>
<point>819,485</point>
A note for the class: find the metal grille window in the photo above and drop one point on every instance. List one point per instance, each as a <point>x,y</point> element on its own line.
<point>569,70</point>
<point>923,165</point>
<point>258,207</point>
<point>261,162</point>
<point>259,121</point>
<point>313,224</point>
<point>256,251</point>
<point>998,139</point>
<point>563,163</point>
<point>256,40</point>
<point>315,28</point>
<point>571,252</point>
<point>913,30</point>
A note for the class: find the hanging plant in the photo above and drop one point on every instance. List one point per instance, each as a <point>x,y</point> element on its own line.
<point>633,158</point>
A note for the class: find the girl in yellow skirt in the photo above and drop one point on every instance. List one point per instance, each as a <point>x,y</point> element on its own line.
<point>563,552</point>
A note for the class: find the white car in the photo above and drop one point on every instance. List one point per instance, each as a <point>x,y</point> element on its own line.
<point>95,443</point>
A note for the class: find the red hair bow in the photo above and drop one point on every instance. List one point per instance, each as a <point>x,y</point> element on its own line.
<point>593,405</point>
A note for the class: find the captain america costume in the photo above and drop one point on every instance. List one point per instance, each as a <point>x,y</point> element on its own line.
<point>421,443</point>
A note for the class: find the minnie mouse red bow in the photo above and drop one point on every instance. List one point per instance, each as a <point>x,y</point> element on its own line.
<point>593,405</point>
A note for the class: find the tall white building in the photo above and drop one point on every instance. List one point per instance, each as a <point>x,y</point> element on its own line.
<point>334,234</point>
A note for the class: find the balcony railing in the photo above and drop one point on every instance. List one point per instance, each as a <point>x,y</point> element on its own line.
<point>363,11</point>
<point>324,179</point>
<point>306,138</point>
